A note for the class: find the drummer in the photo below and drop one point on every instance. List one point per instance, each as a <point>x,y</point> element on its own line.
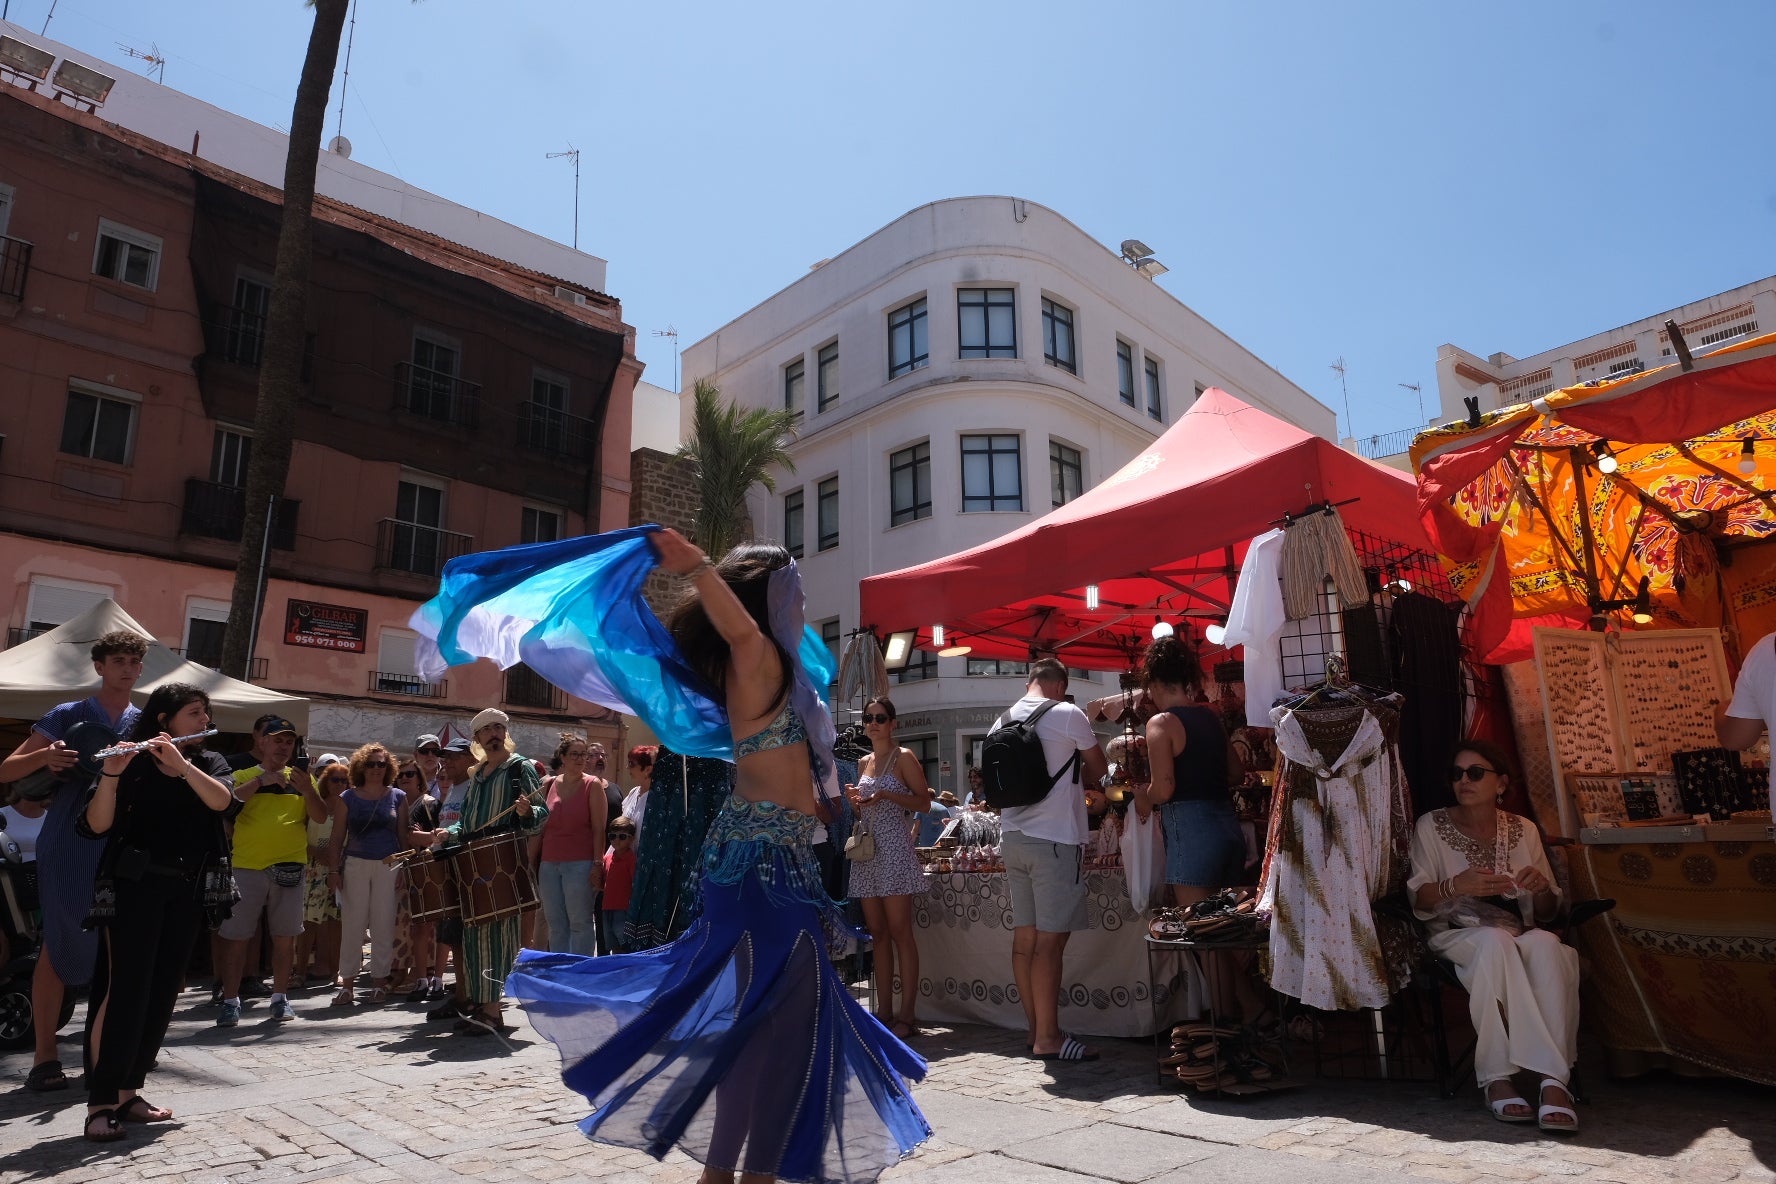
<point>503,796</point>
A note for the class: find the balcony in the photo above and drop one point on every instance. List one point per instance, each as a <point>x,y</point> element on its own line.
<point>526,688</point>
<point>235,335</point>
<point>15,265</point>
<point>437,395</point>
<point>215,511</point>
<point>382,682</point>
<point>257,668</point>
<point>1389,444</point>
<point>548,429</point>
<point>421,550</point>
<point>15,636</point>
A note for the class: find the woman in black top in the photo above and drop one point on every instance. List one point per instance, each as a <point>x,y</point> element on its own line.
<point>161,813</point>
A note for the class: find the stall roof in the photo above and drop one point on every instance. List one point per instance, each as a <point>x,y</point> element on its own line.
<point>55,667</point>
<point>1156,537</point>
<point>1500,499</point>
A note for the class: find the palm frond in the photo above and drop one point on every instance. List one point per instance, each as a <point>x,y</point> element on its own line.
<point>731,450</point>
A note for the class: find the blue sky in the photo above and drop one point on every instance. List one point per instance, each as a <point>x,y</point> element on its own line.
<point>1365,180</point>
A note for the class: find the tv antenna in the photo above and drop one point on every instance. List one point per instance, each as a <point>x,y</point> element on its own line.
<point>573,154</point>
<point>155,65</point>
<point>345,81</point>
<point>671,332</point>
<point>1339,367</point>
<point>1417,390</point>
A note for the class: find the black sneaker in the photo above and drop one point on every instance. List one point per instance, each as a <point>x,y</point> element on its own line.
<point>448,1010</point>
<point>252,988</point>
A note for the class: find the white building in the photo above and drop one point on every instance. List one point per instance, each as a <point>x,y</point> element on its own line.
<point>967,367</point>
<point>1502,380</point>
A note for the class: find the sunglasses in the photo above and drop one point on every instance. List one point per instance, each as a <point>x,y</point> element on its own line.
<point>430,751</point>
<point>1472,772</point>
<point>620,835</point>
<point>870,718</point>
<point>376,764</point>
<point>409,773</point>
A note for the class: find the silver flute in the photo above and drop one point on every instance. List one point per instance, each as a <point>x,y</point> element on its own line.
<point>139,745</point>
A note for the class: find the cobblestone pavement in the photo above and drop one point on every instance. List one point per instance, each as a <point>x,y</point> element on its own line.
<point>376,1094</point>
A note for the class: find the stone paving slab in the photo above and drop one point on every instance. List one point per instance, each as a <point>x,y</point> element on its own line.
<point>372,1095</point>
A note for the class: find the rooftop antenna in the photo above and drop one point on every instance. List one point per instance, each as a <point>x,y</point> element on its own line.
<point>1339,366</point>
<point>44,31</point>
<point>572,154</point>
<point>1417,390</point>
<point>669,331</point>
<point>345,79</point>
<point>156,64</point>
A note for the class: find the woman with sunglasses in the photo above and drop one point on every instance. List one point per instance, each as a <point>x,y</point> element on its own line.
<point>890,789</point>
<point>1481,882</point>
<point>317,950</point>
<point>415,941</point>
<point>372,823</point>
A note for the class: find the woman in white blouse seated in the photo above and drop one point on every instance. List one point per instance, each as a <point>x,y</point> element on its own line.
<point>1481,882</point>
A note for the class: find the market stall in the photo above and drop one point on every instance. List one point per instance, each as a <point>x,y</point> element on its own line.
<point>1616,543</point>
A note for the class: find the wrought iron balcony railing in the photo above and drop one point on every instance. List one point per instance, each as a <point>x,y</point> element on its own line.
<point>526,688</point>
<point>215,511</point>
<point>437,395</point>
<point>15,265</point>
<point>382,682</point>
<point>547,429</point>
<point>422,550</point>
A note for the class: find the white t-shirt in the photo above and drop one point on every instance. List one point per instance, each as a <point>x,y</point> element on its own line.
<point>635,809</point>
<point>1755,696</point>
<point>23,831</point>
<point>1059,817</point>
<point>451,805</point>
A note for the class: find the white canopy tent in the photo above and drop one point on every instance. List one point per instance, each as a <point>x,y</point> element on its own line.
<point>55,667</point>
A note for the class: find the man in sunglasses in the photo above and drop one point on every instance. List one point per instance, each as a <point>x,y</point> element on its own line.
<point>276,801</point>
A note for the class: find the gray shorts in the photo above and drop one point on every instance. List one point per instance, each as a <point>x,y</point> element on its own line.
<point>282,907</point>
<point>1047,882</point>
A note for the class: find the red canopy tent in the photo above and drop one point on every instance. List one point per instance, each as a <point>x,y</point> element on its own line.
<point>1160,537</point>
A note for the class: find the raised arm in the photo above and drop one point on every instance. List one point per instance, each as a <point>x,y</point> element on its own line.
<point>751,648</point>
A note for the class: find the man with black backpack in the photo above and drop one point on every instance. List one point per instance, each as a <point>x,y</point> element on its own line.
<point>1035,764</point>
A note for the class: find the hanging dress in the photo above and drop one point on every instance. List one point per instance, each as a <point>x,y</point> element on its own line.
<point>1340,831</point>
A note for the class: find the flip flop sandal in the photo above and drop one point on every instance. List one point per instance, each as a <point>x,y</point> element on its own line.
<point>132,1111</point>
<point>1545,1112</point>
<point>110,1129</point>
<point>46,1078</point>
<point>1071,1050</point>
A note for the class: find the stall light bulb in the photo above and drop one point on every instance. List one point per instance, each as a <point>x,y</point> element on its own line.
<point>1161,629</point>
<point>1748,458</point>
<point>1091,597</point>
<point>1607,463</point>
<point>937,637</point>
<point>1215,634</point>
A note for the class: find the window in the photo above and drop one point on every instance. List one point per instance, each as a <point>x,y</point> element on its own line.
<point>6,192</point>
<point>995,667</point>
<point>230,454</point>
<point>205,623</point>
<point>1066,472</point>
<point>127,256</point>
<point>1057,336</point>
<point>908,344</point>
<point>986,322</point>
<point>416,542</point>
<point>1125,372</point>
<point>792,522</point>
<point>992,473</point>
<point>794,379</point>
<point>925,748</point>
<point>55,602</point>
<point>920,665</point>
<point>245,342</point>
<point>431,386</point>
<point>545,420</point>
<point>826,513</point>
<point>1200,388</point>
<point>97,427</point>
<point>1154,408</point>
<point>539,526</point>
<point>395,672</point>
<point>826,375</point>
<point>909,483</point>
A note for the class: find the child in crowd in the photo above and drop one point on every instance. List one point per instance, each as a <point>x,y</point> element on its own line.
<point>619,877</point>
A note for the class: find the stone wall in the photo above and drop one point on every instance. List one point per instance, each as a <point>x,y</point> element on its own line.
<point>665,492</point>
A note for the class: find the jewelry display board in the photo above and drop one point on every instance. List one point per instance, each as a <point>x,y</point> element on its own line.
<point>1624,702</point>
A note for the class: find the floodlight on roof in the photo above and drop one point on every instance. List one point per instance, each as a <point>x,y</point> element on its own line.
<point>25,60</point>
<point>83,83</point>
<point>1134,249</point>
<point>1151,268</point>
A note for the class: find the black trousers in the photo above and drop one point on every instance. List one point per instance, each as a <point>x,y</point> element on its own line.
<point>142,959</point>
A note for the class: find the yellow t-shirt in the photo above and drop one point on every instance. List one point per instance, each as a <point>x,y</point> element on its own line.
<point>272,825</point>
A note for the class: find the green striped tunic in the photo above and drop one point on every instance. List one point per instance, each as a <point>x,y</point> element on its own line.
<point>490,950</point>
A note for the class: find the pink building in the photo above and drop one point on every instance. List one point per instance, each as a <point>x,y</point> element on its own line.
<point>465,388</point>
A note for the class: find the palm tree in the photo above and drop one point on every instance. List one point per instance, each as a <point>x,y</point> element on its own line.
<point>280,367</point>
<point>730,451</point>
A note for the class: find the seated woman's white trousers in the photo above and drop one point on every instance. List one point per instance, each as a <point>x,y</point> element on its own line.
<point>1523,995</point>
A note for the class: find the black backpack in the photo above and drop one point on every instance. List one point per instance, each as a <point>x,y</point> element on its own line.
<point>1014,769</point>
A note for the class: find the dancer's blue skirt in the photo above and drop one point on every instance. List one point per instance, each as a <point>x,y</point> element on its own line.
<point>738,1043</point>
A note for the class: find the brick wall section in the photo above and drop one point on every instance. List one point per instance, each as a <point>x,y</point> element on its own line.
<point>663,492</point>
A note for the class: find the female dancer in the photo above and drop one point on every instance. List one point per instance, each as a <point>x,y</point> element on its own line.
<point>890,789</point>
<point>738,1043</point>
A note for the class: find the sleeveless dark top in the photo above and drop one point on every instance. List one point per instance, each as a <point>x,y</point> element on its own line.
<point>1199,772</point>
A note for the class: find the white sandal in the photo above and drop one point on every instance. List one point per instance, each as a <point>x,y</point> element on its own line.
<point>1545,1111</point>
<point>1498,1106</point>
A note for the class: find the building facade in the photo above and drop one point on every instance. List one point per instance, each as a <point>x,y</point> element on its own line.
<point>453,400</point>
<point>963,370</point>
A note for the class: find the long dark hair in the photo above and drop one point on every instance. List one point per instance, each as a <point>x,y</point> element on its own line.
<point>168,700</point>
<point>747,570</point>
